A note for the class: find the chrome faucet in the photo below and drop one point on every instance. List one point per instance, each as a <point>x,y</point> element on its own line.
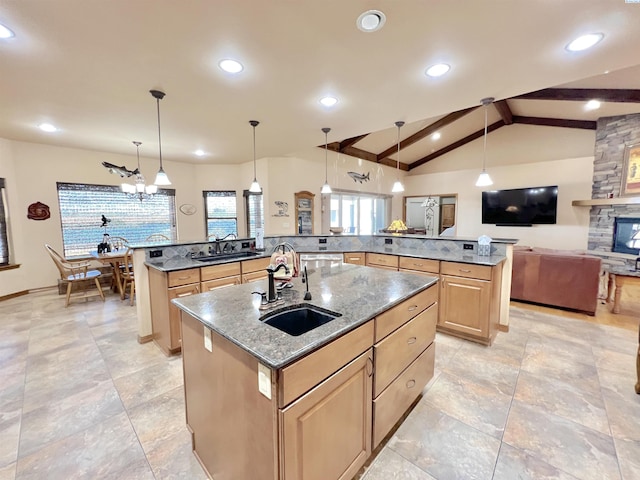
<point>272,297</point>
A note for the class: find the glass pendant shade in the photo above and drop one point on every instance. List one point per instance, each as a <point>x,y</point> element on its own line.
<point>397,186</point>
<point>326,188</point>
<point>139,189</point>
<point>484,180</point>
<point>255,186</point>
<point>161,176</point>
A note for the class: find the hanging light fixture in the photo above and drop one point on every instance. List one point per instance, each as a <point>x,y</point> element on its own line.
<point>255,186</point>
<point>484,180</point>
<point>397,186</point>
<point>139,189</point>
<point>326,188</point>
<point>161,177</point>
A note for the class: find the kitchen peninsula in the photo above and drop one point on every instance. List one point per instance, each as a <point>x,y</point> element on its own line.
<point>264,404</point>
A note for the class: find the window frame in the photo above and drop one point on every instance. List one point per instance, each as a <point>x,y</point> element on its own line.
<point>259,220</point>
<point>358,196</point>
<point>207,217</point>
<point>5,248</point>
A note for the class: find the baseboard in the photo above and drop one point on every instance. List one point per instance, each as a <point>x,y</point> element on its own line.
<point>14,295</point>
<point>145,339</point>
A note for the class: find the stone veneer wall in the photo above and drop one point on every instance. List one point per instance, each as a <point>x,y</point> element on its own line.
<point>612,134</point>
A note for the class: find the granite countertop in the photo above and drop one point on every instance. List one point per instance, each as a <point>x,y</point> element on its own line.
<point>182,263</point>
<point>358,293</point>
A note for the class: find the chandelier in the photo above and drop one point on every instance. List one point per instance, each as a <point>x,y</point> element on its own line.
<point>139,189</point>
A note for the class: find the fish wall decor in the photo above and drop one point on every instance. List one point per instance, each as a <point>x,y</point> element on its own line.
<point>359,177</point>
<point>122,171</point>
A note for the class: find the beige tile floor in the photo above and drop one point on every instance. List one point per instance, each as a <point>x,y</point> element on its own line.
<point>552,399</point>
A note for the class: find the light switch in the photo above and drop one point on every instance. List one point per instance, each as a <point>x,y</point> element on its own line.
<point>264,380</point>
<point>208,344</point>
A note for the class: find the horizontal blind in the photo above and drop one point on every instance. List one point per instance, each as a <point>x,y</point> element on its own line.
<point>220,213</point>
<point>4,242</point>
<point>82,207</point>
<point>254,212</point>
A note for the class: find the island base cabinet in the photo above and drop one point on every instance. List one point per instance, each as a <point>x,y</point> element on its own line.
<point>326,433</point>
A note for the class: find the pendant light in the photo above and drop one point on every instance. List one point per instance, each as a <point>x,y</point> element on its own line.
<point>161,177</point>
<point>326,188</point>
<point>484,180</point>
<point>397,186</point>
<point>255,186</point>
<point>140,189</point>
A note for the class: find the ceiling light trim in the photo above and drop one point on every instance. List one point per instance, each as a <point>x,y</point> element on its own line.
<point>6,32</point>
<point>584,42</point>
<point>371,21</point>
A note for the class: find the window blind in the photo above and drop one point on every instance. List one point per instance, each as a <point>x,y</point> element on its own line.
<point>220,213</point>
<point>82,207</point>
<point>254,208</point>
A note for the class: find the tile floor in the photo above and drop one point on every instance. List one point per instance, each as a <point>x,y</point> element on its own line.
<point>552,399</point>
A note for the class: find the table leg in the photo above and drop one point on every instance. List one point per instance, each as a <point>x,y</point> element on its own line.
<point>619,281</point>
<point>610,286</point>
<point>116,273</point>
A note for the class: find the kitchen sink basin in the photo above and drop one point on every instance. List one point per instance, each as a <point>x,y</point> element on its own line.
<point>225,256</point>
<point>299,320</point>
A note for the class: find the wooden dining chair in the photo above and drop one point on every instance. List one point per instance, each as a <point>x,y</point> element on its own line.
<point>76,273</point>
<point>157,237</point>
<point>126,274</point>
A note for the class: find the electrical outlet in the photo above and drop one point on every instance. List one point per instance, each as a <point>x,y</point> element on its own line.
<point>322,249</point>
<point>245,244</point>
<point>322,240</point>
<point>467,246</point>
<point>155,253</point>
<point>388,241</point>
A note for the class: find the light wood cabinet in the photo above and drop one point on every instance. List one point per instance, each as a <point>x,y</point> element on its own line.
<point>419,265</point>
<point>470,301</point>
<point>304,212</point>
<point>219,276</point>
<point>355,258</point>
<point>254,270</point>
<point>382,260</point>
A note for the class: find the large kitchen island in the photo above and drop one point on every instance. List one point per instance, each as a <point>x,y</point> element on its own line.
<point>265,404</point>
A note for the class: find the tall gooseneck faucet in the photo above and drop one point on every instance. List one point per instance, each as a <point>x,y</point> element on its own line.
<point>272,297</point>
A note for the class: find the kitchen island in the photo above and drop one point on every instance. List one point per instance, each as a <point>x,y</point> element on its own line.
<point>261,403</point>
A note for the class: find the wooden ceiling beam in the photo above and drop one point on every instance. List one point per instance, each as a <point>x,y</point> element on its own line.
<point>351,141</point>
<point>426,131</point>
<point>623,95</point>
<point>459,143</point>
<point>505,111</point>
<point>555,122</point>
<point>364,155</point>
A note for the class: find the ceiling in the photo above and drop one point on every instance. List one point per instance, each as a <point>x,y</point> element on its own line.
<point>87,67</point>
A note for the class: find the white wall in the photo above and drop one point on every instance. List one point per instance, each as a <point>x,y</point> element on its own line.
<point>573,177</point>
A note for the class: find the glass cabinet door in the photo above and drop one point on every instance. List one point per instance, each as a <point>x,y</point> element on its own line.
<point>304,213</point>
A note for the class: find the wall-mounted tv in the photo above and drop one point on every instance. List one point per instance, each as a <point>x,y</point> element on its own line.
<point>626,235</point>
<point>520,206</point>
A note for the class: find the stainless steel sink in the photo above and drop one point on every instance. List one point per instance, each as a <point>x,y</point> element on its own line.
<point>225,256</point>
<point>299,320</point>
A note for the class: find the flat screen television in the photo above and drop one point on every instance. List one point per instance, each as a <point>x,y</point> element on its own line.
<point>520,206</point>
<point>626,235</point>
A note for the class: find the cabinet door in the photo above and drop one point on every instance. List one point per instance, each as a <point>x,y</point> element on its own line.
<point>327,432</point>
<point>174,313</point>
<point>464,305</point>
<point>304,212</point>
<point>254,276</point>
<point>219,283</point>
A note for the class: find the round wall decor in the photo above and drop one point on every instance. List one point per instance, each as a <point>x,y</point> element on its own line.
<point>188,208</point>
<point>38,211</point>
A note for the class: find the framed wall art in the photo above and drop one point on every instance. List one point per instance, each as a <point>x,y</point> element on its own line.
<point>631,171</point>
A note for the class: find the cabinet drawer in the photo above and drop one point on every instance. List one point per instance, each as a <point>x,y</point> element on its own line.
<point>220,283</point>
<point>388,321</point>
<point>184,277</point>
<point>254,276</point>
<point>420,264</point>
<point>356,258</point>
<point>309,371</point>
<point>389,407</point>
<point>468,270</point>
<point>183,291</point>
<point>255,264</point>
<point>382,259</point>
<point>219,271</point>
<point>395,352</point>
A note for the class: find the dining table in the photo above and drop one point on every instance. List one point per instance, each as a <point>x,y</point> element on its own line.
<point>115,259</point>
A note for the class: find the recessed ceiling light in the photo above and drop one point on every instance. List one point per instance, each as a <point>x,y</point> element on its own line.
<point>435,136</point>
<point>230,66</point>
<point>328,101</point>
<point>47,127</point>
<point>437,70</point>
<point>584,42</point>
<point>592,105</point>
<point>371,20</point>
<point>199,153</point>
<point>5,32</point>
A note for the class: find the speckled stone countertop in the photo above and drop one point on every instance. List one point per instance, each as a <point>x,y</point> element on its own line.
<point>182,263</point>
<point>358,293</point>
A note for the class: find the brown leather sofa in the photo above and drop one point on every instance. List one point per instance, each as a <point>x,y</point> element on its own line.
<point>559,278</point>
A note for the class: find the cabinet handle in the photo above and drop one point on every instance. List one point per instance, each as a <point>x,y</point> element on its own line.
<point>412,308</point>
<point>464,271</point>
<point>411,341</point>
<point>185,294</point>
<point>369,366</point>
<point>411,383</point>
<point>183,278</point>
<point>417,264</point>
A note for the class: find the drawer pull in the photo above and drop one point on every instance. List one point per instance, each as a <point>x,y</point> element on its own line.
<point>411,383</point>
<point>184,278</point>
<point>411,341</point>
<point>464,271</point>
<point>417,264</point>
<point>369,366</point>
<point>412,308</point>
<point>185,294</point>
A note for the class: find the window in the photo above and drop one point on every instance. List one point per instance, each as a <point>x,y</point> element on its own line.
<point>360,214</point>
<point>82,207</point>
<point>254,208</point>
<point>220,213</point>
<point>4,239</point>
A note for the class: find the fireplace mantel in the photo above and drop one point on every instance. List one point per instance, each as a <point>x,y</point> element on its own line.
<point>606,201</point>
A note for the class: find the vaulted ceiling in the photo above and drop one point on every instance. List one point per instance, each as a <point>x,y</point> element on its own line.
<point>87,67</point>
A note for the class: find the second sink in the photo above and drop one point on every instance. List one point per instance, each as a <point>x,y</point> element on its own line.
<point>299,320</point>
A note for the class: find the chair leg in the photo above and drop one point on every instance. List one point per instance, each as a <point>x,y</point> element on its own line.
<point>68,294</point>
<point>131,292</point>
<point>99,288</point>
